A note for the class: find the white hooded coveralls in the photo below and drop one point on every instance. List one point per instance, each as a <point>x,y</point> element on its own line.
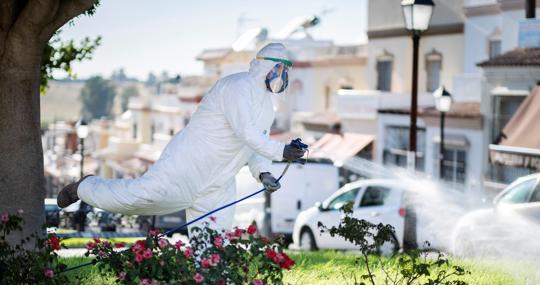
<point>197,169</point>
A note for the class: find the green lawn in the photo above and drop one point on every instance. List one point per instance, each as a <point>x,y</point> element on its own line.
<point>330,267</point>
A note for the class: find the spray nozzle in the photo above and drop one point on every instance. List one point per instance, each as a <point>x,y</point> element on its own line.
<point>297,143</point>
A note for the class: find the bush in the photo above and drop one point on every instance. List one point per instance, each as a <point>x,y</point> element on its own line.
<point>211,257</point>
<point>233,257</point>
<point>413,267</point>
<point>33,260</point>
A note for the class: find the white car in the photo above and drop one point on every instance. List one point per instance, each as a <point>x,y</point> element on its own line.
<point>301,187</point>
<point>510,227</point>
<point>376,201</point>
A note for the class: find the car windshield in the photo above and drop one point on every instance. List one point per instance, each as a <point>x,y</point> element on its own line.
<point>343,199</point>
<point>536,194</point>
<point>518,193</point>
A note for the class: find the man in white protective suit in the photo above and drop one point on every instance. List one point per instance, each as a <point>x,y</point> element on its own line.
<point>197,169</point>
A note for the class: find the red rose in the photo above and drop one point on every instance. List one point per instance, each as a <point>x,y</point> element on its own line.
<point>90,245</point>
<point>270,253</point>
<point>119,244</point>
<point>178,244</point>
<point>221,282</point>
<point>147,254</point>
<point>264,240</point>
<point>54,243</point>
<point>198,278</point>
<point>238,232</point>
<point>252,229</point>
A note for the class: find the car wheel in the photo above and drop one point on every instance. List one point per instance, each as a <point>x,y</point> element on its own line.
<point>307,240</point>
<point>389,248</point>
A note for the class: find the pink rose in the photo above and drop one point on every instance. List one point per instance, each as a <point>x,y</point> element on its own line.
<point>188,253</point>
<point>163,243</point>
<point>101,254</point>
<point>214,258</point>
<point>139,258</point>
<point>146,281</point>
<point>198,278</point>
<point>178,244</point>
<point>205,263</point>
<point>154,232</point>
<point>218,241</point>
<point>49,273</point>
<point>147,254</point>
<point>121,276</point>
<point>258,282</point>
<point>140,245</point>
<point>4,218</point>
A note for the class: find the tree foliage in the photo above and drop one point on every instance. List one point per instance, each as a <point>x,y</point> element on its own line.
<point>59,55</point>
<point>97,98</point>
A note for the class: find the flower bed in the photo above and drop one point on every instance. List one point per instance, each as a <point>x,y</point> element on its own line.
<point>233,257</point>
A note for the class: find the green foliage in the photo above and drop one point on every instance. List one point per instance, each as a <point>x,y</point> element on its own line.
<point>59,56</point>
<point>127,93</point>
<point>97,97</point>
<point>211,257</point>
<point>33,260</point>
<point>413,267</point>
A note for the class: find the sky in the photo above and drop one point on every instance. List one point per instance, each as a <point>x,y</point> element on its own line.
<point>153,36</point>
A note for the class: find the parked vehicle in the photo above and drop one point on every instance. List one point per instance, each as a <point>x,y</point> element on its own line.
<point>376,201</point>
<point>301,187</point>
<point>163,222</point>
<point>512,224</point>
<point>52,213</point>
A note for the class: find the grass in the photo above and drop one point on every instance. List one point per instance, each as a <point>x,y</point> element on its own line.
<point>331,267</point>
<point>81,242</point>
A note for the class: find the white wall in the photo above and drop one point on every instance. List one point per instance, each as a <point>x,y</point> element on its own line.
<point>450,46</point>
<point>478,30</point>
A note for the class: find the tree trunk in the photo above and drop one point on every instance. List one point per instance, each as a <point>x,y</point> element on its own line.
<point>22,182</point>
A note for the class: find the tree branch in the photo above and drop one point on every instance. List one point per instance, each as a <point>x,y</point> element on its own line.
<point>67,10</point>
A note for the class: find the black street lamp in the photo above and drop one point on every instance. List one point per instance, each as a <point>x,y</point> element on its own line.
<point>443,102</point>
<point>82,133</point>
<point>417,15</point>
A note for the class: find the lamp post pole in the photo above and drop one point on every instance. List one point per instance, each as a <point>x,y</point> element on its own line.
<point>441,149</point>
<point>411,158</point>
<point>82,158</point>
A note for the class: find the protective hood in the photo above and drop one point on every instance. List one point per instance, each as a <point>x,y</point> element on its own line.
<point>259,68</point>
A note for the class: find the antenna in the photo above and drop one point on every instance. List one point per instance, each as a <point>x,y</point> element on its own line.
<point>250,37</point>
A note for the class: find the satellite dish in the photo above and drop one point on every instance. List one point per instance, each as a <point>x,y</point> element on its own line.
<point>250,37</point>
<point>300,24</point>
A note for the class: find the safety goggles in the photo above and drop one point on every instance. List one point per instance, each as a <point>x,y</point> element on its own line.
<point>286,62</point>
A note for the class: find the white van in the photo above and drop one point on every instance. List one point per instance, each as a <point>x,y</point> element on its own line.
<point>301,187</point>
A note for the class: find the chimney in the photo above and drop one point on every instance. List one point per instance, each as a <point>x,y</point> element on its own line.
<point>530,9</point>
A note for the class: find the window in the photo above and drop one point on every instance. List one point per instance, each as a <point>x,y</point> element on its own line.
<point>134,131</point>
<point>494,47</point>
<point>396,144</point>
<point>536,195</point>
<point>374,196</point>
<point>343,199</point>
<point>384,71</point>
<point>433,70</point>
<point>518,193</point>
<point>454,165</point>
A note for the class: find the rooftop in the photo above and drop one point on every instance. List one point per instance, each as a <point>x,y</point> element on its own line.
<point>516,57</point>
